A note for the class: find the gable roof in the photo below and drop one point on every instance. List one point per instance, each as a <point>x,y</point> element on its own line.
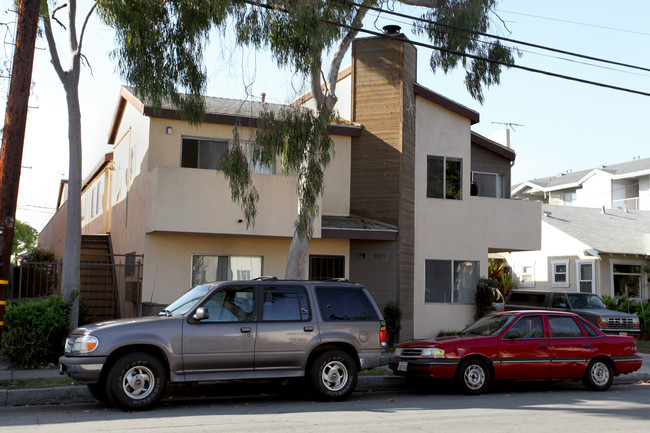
<point>613,232</point>
<point>447,103</point>
<point>493,146</point>
<point>217,110</point>
<point>638,167</point>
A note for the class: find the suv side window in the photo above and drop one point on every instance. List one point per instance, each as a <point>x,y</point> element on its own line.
<point>564,327</point>
<point>348,303</point>
<point>559,301</point>
<point>285,304</point>
<point>230,304</point>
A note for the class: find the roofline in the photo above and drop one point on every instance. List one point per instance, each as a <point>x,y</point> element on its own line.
<point>447,103</point>
<point>300,100</point>
<point>493,146</point>
<point>108,158</point>
<point>125,96</point>
<point>362,234</point>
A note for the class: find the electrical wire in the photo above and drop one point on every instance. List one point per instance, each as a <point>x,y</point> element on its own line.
<point>458,53</point>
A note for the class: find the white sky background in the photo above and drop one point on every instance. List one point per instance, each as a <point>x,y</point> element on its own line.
<point>566,125</point>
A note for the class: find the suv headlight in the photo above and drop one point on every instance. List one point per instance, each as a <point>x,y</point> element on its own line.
<point>81,344</point>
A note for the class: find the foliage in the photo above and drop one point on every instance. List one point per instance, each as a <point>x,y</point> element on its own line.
<point>35,330</point>
<point>393,318</point>
<point>484,297</point>
<point>446,332</point>
<point>497,273</point>
<point>25,237</point>
<point>40,255</point>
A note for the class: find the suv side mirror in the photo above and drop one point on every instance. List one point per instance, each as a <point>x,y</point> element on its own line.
<point>201,314</point>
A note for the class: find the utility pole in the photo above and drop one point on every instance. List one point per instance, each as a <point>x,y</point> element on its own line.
<point>11,154</point>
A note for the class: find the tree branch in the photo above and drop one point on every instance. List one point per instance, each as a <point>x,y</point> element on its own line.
<point>83,28</point>
<point>54,54</point>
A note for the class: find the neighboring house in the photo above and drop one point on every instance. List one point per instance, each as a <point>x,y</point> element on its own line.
<point>617,186</point>
<point>588,250</point>
<point>413,202</point>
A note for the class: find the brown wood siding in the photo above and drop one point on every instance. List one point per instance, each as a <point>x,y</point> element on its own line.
<point>383,156</point>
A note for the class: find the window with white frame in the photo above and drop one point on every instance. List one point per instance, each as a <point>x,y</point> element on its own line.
<point>585,272</point>
<point>560,273</point>
<point>488,184</point>
<point>444,177</point>
<point>207,268</point>
<point>450,281</point>
<point>527,276</point>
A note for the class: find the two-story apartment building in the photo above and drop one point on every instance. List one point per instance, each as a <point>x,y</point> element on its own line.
<point>413,199</point>
<point>617,186</point>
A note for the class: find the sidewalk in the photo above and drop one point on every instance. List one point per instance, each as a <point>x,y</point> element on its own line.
<point>80,393</point>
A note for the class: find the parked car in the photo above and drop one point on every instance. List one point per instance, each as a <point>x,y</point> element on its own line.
<point>587,305</point>
<point>523,345</point>
<point>324,331</point>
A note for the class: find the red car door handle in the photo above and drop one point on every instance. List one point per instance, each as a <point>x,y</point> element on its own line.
<point>586,345</point>
<point>543,346</point>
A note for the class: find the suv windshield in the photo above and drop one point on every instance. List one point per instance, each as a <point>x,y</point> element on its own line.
<point>488,325</point>
<point>586,301</point>
<point>186,302</point>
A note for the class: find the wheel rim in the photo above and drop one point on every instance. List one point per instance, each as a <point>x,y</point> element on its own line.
<point>138,382</point>
<point>600,374</point>
<point>334,375</point>
<point>474,377</point>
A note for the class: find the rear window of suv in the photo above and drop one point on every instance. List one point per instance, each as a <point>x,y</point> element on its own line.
<point>347,303</point>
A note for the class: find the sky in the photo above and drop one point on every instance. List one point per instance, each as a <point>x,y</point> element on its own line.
<point>555,125</point>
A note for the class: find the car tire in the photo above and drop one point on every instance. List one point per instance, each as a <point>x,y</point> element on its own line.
<point>599,375</point>
<point>98,391</point>
<point>473,376</point>
<point>333,375</point>
<point>136,381</point>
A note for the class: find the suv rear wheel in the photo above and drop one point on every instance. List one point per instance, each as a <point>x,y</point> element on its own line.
<point>136,381</point>
<point>333,375</point>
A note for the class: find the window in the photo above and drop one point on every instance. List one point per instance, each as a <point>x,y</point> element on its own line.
<point>347,303</point>
<point>562,327</point>
<point>231,304</point>
<point>488,184</point>
<point>206,268</point>
<point>203,153</point>
<point>560,269</point>
<point>444,177</point>
<point>450,281</point>
<point>526,327</point>
<point>285,304</point>
<point>527,278</point>
<point>627,279</point>
<point>326,267</point>
<point>585,273</point>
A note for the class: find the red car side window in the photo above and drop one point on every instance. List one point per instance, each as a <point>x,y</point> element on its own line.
<point>564,327</point>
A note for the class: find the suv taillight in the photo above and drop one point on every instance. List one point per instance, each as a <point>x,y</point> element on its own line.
<point>382,336</point>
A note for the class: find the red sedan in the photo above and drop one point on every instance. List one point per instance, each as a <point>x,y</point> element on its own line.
<point>521,345</point>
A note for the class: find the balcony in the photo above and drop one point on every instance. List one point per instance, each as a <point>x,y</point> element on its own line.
<point>631,203</point>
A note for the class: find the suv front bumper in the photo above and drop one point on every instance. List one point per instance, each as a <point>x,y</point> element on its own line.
<point>85,369</point>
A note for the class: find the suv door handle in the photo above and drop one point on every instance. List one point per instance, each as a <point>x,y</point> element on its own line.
<point>245,329</point>
<point>308,328</point>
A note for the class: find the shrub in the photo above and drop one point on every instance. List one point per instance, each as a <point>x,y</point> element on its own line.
<point>393,318</point>
<point>35,330</point>
<point>484,297</point>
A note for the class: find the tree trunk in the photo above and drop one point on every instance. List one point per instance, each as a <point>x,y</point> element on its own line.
<point>297,259</point>
<point>70,281</point>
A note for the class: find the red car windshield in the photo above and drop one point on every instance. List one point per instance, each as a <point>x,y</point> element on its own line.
<point>488,325</point>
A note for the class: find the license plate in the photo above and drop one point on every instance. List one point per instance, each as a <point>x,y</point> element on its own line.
<point>402,366</point>
<point>622,333</point>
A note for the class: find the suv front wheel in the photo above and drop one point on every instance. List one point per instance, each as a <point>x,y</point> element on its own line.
<point>333,375</point>
<point>136,381</point>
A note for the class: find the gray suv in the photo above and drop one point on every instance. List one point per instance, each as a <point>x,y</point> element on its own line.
<point>324,331</point>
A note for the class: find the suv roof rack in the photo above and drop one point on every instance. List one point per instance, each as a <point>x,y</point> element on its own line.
<point>340,280</point>
<point>266,278</point>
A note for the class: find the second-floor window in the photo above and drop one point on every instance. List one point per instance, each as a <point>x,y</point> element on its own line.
<point>444,177</point>
<point>206,154</point>
<point>488,184</point>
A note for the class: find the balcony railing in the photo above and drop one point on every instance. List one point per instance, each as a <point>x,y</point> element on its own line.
<point>626,203</point>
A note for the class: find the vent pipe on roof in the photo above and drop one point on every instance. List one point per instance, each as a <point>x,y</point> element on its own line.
<point>263,97</point>
<point>603,211</point>
<point>391,29</point>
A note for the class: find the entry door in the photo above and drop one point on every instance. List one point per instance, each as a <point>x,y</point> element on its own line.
<point>225,341</point>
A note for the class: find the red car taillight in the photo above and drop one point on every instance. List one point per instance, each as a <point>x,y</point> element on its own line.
<point>382,336</point>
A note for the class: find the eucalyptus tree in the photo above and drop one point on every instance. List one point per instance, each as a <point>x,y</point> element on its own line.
<point>160,51</point>
<point>66,55</point>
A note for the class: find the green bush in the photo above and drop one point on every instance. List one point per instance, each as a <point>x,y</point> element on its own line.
<point>393,319</point>
<point>35,331</point>
<point>484,297</point>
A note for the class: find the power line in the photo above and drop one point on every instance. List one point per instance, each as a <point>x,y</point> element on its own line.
<point>458,53</point>
<point>501,38</point>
